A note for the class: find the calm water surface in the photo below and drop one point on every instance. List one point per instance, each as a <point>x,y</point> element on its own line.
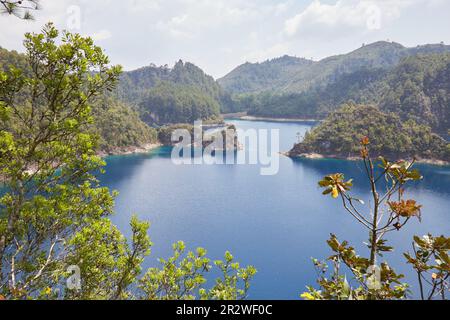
<point>276,223</point>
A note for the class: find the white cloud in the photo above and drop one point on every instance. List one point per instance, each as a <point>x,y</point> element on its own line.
<point>101,35</point>
<point>13,29</point>
<point>362,14</point>
<point>218,35</point>
<point>201,16</point>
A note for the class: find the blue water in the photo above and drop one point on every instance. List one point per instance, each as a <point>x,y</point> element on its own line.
<point>276,223</point>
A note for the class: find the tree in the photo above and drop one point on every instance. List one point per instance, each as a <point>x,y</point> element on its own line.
<point>53,213</point>
<point>19,8</point>
<point>46,157</point>
<point>390,212</point>
<point>432,265</point>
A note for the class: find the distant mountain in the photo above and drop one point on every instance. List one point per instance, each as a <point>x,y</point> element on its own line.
<point>363,86</point>
<point>268,75</point>
<point>295,75</point>
<point>417,88</point>
<point>166,95</point>
<point>134,83</point>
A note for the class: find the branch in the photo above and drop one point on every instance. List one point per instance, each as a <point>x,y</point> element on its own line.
<point>356,215</point>
<point>47,262</point>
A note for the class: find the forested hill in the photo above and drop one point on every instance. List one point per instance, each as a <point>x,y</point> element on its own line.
<point>418,88</point>
<point>12,58</point>
<point>268,75</point>
<point>170,95</point>
<point>295,75</point>
<point>340,135</point>
<point>133,84</point>
<point>117,124</point>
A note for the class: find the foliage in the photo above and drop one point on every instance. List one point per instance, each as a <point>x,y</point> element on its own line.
<point>53,213</point>
<point>288,105</point>
<point>362,86</point>
<point>389,212</point>
<point>334,184</point>
<point>46,157</point>
<point>432,264</point>
<point>182,278</point>
<point>339,136</point>
<point>13,58</point>
<point>116,123</point>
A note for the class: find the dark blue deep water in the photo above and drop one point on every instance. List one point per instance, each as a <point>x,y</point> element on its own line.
<point>276,223</point>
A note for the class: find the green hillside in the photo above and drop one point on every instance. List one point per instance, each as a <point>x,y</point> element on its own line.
<point>144,86</point>
<point>268,75</point>
<point>340,135</point>
<point>417,88</point>
<point>169,103</point>
<point>296,75</point>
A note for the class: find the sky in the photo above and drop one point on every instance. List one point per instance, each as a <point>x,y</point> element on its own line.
<point>218,35</point>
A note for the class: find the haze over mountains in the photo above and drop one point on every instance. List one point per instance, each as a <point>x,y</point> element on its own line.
<point>292,74</point>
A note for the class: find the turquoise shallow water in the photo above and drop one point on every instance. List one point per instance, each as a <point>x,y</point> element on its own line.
<point>276,223</point>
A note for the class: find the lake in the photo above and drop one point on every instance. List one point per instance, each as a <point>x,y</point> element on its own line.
<point>276,223</point>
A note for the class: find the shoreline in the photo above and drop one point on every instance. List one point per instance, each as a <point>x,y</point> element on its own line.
<point>116,152</point>
<point>245,116</point>
<point>122,151</point>
<point>317,156</point>
<point>254,118</point>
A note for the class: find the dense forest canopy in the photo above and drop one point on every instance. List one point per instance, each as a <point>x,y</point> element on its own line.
<point>363,85</point>
<point>134,83</point>
<point>12,58</point>
<point>340,135</point>
<point>410,82</point>
<point>119,126</point>
<point>172,103</point>
<point>419,89</point>
<point>183,93</point>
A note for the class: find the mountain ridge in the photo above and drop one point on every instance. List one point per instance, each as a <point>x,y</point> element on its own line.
<point>163,95</point>
<point>380,54</point>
